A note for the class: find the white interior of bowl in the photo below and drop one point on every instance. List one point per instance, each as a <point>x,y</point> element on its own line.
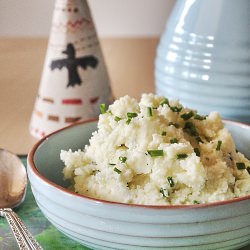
<point>47,156</point>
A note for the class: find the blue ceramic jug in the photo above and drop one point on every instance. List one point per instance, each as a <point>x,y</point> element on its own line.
<point>203,58</point>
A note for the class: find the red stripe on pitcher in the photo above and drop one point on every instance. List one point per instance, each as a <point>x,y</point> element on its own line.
<point>72,101</point>
<point>94,100</point>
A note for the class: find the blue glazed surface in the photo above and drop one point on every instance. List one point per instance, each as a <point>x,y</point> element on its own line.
<point>107,225</point>
<point>203,57</point>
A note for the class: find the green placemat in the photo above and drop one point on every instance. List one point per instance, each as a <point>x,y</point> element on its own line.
<point>46,234</point>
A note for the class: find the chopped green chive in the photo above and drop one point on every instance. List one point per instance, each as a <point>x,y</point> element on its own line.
<point>112,164</point>
<point>103,108</point>
<point>128,121</point>
<point>187,116</point>
<point>94,172</point>
<point>196,202</point>
<point>154,153</point>
<point>118,171</point>
<point>163,192</point>
<point>199,117</point>
<point>123,145</point>
<point>173,108</point>
<point>122,159</point>
<point>190,129</point>
<point>173,140</point>
<point>171,181</point>
<point>240,165</point>
<point>163,133</point>
<point>176,109</point>
<point>117,118</point>
<point>177,125</point>
<point>197,152</point>
<point>218,145</point>
<point>198,139</point>
<point>165,101</point>
<point>248,170</point>
<point>131,115</point>
<point>182,156</point>
<point>149,111</point>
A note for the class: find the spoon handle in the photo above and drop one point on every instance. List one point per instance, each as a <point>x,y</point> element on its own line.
<point>23,237</point>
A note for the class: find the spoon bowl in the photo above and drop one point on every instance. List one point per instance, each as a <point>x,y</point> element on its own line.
<point>13,180</point>
<point>13,183</point>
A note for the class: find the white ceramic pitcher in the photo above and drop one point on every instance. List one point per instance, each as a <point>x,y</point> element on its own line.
<point>75,80</point>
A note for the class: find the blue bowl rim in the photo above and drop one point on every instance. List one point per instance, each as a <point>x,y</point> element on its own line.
<point>59,188</point>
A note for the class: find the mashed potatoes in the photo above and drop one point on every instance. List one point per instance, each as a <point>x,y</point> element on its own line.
<point>158,152</point>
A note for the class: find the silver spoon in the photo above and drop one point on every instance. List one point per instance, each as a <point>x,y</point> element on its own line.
<point>13,183</point>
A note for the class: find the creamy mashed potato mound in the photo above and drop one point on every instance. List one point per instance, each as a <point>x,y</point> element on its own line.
<point>157,152</point>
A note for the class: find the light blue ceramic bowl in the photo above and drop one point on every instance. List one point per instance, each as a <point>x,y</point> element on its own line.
<point>100,224</point>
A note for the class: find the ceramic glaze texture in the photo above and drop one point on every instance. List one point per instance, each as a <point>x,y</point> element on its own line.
<point>203,57</point>
<point>108,225</point>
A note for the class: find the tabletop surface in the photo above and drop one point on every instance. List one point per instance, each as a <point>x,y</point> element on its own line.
<point>130,63</point>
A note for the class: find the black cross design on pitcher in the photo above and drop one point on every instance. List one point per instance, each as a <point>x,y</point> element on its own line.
<point>72,62</point>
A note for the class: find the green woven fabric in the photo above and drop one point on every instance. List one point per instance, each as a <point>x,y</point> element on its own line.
<point>46,234</point>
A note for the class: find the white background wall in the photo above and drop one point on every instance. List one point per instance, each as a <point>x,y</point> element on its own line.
<point>112,17</point>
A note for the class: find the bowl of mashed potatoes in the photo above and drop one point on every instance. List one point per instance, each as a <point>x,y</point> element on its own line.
<point>149,174</point>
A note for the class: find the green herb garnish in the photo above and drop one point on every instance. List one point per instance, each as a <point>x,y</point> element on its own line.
<point>117,118</point>
<point>163,133</point>
<point>177,125</point>
<point>154,153</point>
<point>248,170</point>
<point>187,116</point>
<point>190,129</point>
<point>163,192</point>
<point>165,101</point>
<point>112,164</point>
<point>103,108</point>
<point>173,108</point>
<point>128,121</point>
<point>122,159</point>
<point>94,172</point>
<point>240,165</point>
<point>218,145</point>
<point>196,202</point>
<point>198,139</point>
<point>131,115</point>
<point>118,171</point>
<point>197,152</point>
<point>182,156</point>
<point>173,140</point>
<point>176,109</point>
<point>199,117</point>
<point>171,181</point>
<point>149,111</point>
